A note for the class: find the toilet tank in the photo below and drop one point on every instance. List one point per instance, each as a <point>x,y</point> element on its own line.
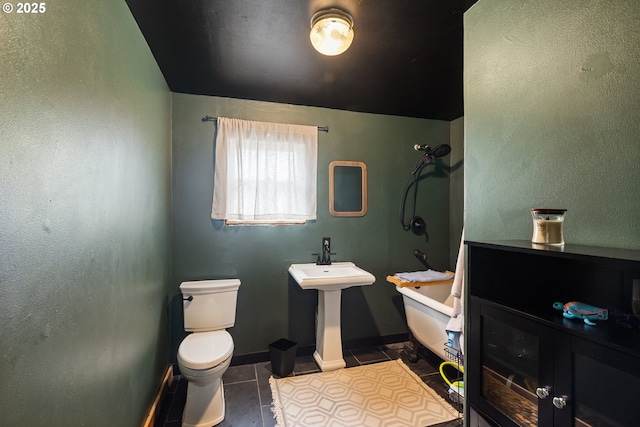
<point>209,305</point>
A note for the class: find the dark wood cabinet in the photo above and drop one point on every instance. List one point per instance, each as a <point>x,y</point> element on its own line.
<point>526,364</point>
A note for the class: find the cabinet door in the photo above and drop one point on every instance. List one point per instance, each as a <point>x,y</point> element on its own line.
<point>509,361</point>
<point>606,386</point>
<point>523,373</point>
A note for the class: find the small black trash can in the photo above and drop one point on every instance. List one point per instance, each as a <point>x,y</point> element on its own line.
<point>283,356</point>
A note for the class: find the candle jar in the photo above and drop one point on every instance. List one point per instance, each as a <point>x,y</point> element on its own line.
<point>547,226</point>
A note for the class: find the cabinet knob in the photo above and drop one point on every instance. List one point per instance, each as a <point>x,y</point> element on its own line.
<point>560,402</point>
<point>543,392</point>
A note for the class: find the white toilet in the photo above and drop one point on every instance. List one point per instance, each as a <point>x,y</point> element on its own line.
<point>204,355</point>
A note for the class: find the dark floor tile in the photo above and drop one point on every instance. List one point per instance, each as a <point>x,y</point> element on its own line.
<point>455,423</point>
<point>305,365</point>
<point>239,373</point>
<point>179,399</point>
<point>268,419</point>
<point>420,367</point>
<point>161,416</point>
<point>430,357</point>
<point>242,405</point>
<point>264,388</point>
<point>394,351</point>
<point>369,355</point>
<point>350,360</point>
<point>174,383</point>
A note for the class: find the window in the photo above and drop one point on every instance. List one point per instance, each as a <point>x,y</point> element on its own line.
<point>264,172</point>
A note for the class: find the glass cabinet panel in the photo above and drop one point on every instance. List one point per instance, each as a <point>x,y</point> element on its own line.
<point>510,371</point>
<point>607,387</point>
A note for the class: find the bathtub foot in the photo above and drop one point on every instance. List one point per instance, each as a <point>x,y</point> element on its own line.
<point>413,356</point>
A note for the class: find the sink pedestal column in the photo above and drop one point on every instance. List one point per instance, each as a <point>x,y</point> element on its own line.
<point>328,352</point>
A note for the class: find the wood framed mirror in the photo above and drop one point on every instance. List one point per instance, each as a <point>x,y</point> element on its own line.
<point>347,188</point>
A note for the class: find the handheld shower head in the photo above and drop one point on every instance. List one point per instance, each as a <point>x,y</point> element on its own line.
<point>417,224</point>
<point>441,150</point>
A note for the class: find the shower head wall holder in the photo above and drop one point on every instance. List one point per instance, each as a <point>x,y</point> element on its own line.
<point>418,226</point>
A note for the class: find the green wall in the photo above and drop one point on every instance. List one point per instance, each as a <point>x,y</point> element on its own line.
<point>269,305</point>
<point>84,217</point>
<point>552,118</point>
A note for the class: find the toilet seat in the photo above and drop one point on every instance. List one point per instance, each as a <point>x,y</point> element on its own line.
<point>205,350</point>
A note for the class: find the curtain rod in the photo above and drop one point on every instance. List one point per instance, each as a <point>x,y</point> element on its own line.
<point>214,119</point>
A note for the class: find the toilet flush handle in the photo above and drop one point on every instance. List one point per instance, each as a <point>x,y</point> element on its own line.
<point>189,298</point>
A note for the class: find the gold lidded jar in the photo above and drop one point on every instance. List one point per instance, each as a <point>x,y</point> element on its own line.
<point>547,226</point>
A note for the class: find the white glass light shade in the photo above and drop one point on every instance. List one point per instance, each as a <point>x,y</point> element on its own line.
<point>331,31</point>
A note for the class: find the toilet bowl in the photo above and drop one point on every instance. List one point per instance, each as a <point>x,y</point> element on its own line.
<point>205,354</point>
<point>203,357</point>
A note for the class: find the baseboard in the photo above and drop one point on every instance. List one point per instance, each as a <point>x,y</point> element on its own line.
<point>155,407</point>
<point>374,341</point>
<point>307,350</point>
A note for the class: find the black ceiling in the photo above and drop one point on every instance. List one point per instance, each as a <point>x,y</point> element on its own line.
<point>405,60</point>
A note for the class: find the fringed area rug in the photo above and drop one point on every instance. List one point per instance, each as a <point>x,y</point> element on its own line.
<point>381,394</point>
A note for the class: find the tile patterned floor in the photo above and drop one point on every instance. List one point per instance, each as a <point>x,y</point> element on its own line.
<point>248,395</point>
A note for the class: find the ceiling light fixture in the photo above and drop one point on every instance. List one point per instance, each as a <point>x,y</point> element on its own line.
<point>331,31</point>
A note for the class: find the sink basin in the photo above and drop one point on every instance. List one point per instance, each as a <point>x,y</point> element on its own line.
<point>329,281</point>
<point>339,275</point>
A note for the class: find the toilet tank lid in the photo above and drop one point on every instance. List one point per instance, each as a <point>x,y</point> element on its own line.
<point>200,286</point>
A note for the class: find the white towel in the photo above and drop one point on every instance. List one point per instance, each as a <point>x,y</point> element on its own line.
<point>456,323</point>
<point>424,276</point>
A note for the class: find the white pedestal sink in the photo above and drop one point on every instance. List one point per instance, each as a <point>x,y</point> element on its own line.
<point>329,280</point>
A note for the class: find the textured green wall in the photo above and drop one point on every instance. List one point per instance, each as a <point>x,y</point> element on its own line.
<point>552,118</point>
<point>269,306</point>
<point>85,145</point>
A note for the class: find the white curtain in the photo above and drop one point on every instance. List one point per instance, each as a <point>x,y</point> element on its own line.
<point>265,171</point>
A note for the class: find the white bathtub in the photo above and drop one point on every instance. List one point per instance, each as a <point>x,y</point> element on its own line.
<point>428,310</point>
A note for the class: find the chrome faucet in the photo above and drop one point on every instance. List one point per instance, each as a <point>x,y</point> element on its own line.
<point>326,252</point>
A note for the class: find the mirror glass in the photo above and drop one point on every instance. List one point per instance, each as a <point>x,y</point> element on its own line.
<point>347,188</point>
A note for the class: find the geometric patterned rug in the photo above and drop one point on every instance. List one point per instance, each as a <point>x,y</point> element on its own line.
<point>380,394</point>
